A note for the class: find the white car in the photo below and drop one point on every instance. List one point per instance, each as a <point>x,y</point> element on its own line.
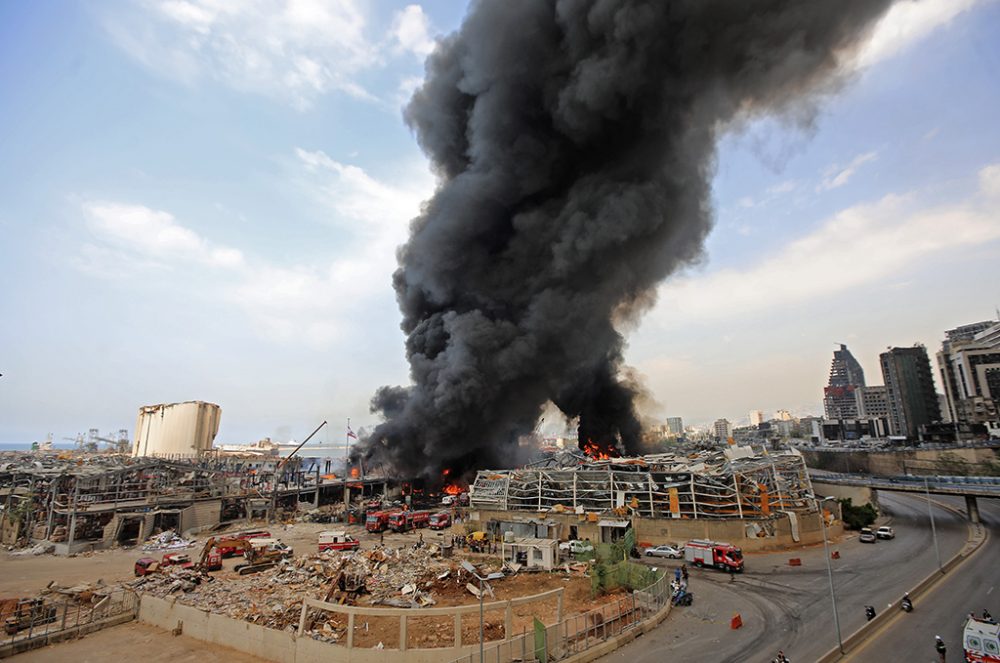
<point>575,547</point>
<point>885,532</point>
<point>664,551</point>
<point>448,500</point>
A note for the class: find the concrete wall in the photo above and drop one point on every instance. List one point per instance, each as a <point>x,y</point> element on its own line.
<point>200,516</point>
<point>285,647</point>
<point>957,461</point>
<point>858,495</point>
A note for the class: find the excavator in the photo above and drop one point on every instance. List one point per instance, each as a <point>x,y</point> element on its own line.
<point>260,554</point>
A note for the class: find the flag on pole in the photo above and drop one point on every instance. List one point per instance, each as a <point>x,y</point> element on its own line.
<point>350,433</point>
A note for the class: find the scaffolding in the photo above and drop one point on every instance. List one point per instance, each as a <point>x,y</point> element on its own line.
<point>730,484</point>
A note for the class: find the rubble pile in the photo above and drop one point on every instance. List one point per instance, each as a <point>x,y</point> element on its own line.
<point>398,577</point>
<point>168,540</point>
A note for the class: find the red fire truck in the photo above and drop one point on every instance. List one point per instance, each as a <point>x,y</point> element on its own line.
<point>724,556</point>
<point>440,520</point>
<point>421,519</point>
<point>401,521</point>
<point>377,521</point>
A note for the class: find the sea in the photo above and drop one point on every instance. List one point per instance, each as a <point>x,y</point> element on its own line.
<point>324,451</point>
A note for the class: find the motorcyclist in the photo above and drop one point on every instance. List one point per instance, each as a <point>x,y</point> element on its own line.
<point>940,648</point>
<point>870,612</point>
<point>906,604</point>
<point>781,658</point>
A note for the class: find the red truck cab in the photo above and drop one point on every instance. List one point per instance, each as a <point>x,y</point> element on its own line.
<point>145,566</point>
<point>440,520</point>
<point>377,521</point>
<point>421,519</point>
<point>401,521</point>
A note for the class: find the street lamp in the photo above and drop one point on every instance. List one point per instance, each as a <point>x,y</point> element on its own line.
<point>829,567</point>
<point>930,512</point>
<point>493,576</point>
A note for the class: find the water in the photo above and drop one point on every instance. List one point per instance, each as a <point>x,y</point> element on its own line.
<point>26,446</point>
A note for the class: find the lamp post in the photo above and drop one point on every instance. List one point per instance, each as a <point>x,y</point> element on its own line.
<point>493,576</point>
<point>930,512</point>
<point>829,568</point>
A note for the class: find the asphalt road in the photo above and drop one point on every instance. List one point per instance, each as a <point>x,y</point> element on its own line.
<point>971,587</point>
<point>789,608</point>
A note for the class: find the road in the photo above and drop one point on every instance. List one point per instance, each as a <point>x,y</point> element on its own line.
<point>788,608</point>
<point>972,587</point>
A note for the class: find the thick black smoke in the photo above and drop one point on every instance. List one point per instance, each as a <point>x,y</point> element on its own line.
<point>575,143</point>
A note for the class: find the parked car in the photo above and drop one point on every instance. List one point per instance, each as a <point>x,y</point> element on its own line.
<point>575,547</point>
<point>664,551</point>
<point>885,532</point>
<point>867,535</point>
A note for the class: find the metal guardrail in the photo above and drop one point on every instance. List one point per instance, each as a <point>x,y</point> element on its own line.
<point>578,633</point>
<point>68,615</point>
<point>964,485</point>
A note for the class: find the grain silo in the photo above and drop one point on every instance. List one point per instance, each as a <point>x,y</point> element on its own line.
<point>176,430</point>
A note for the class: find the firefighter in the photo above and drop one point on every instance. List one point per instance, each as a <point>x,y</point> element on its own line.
<point>684,572</point>
<point>939,647</point>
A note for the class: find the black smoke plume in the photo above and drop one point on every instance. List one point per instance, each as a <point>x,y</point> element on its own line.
<point>574,144</point>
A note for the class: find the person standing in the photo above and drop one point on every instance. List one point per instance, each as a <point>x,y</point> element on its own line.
<point>684,572</point>
<point>940,648</point>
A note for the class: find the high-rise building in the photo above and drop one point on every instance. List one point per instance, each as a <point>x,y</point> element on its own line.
<point>846,376</point>
<point>872,402</point>
<point>969,362</point>
<point>756,417</point>
<point>675,426</point>
<point>723,429</point>
<point>783,415</point>
<point>910,389</point>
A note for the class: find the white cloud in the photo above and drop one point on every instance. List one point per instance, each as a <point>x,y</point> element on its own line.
<point>782,187</point>
<point>886,237</point>
<point>837,176</point>
<point>155,235</point>
<point>287,49</point>
<point>316,303</point>
<point>412,32</point>
<point>907,22</point>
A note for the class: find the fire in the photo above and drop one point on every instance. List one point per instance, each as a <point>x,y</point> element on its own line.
<point>452,489</point>
<point>446,472</point>
<point>594,450</point>
<point>355,473</point>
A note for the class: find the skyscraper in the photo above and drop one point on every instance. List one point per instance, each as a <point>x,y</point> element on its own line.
<point>910,389</point>
<point>846,375</point>
<point>675,426</point>
<point>969,361</point>
<point>756,417</point>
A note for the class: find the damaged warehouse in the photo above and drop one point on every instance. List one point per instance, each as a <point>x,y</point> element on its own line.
<point>761,500</point>
<point>93,502</point>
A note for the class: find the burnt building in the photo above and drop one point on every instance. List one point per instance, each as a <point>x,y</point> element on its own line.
<point>909,385</point>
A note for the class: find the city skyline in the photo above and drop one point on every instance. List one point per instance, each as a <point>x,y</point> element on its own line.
<point>181,225</point>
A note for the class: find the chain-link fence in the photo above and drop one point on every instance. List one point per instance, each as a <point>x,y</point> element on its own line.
<point>579,632</point>
<point>30,623</point>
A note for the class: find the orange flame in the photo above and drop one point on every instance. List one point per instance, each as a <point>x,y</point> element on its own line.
<point>355,473</point>
<point>452,489</point>
<point>595,451</point>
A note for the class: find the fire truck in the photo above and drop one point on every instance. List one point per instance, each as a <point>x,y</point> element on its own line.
<point>377,521</point>
<point>724,556</point>
<point>440,520</point>
<point>981,641</point>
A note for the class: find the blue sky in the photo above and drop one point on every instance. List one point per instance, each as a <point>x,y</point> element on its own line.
<point>203,204</point>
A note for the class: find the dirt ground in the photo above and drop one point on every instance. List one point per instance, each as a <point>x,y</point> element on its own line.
<point>125,642</point>
<point>26,575</point>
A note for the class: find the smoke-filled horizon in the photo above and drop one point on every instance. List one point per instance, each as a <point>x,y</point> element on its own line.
<point>574,144</point>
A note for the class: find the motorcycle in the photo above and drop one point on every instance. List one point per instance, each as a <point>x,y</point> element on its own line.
<point>906,604</point>
<point>869,612</point>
